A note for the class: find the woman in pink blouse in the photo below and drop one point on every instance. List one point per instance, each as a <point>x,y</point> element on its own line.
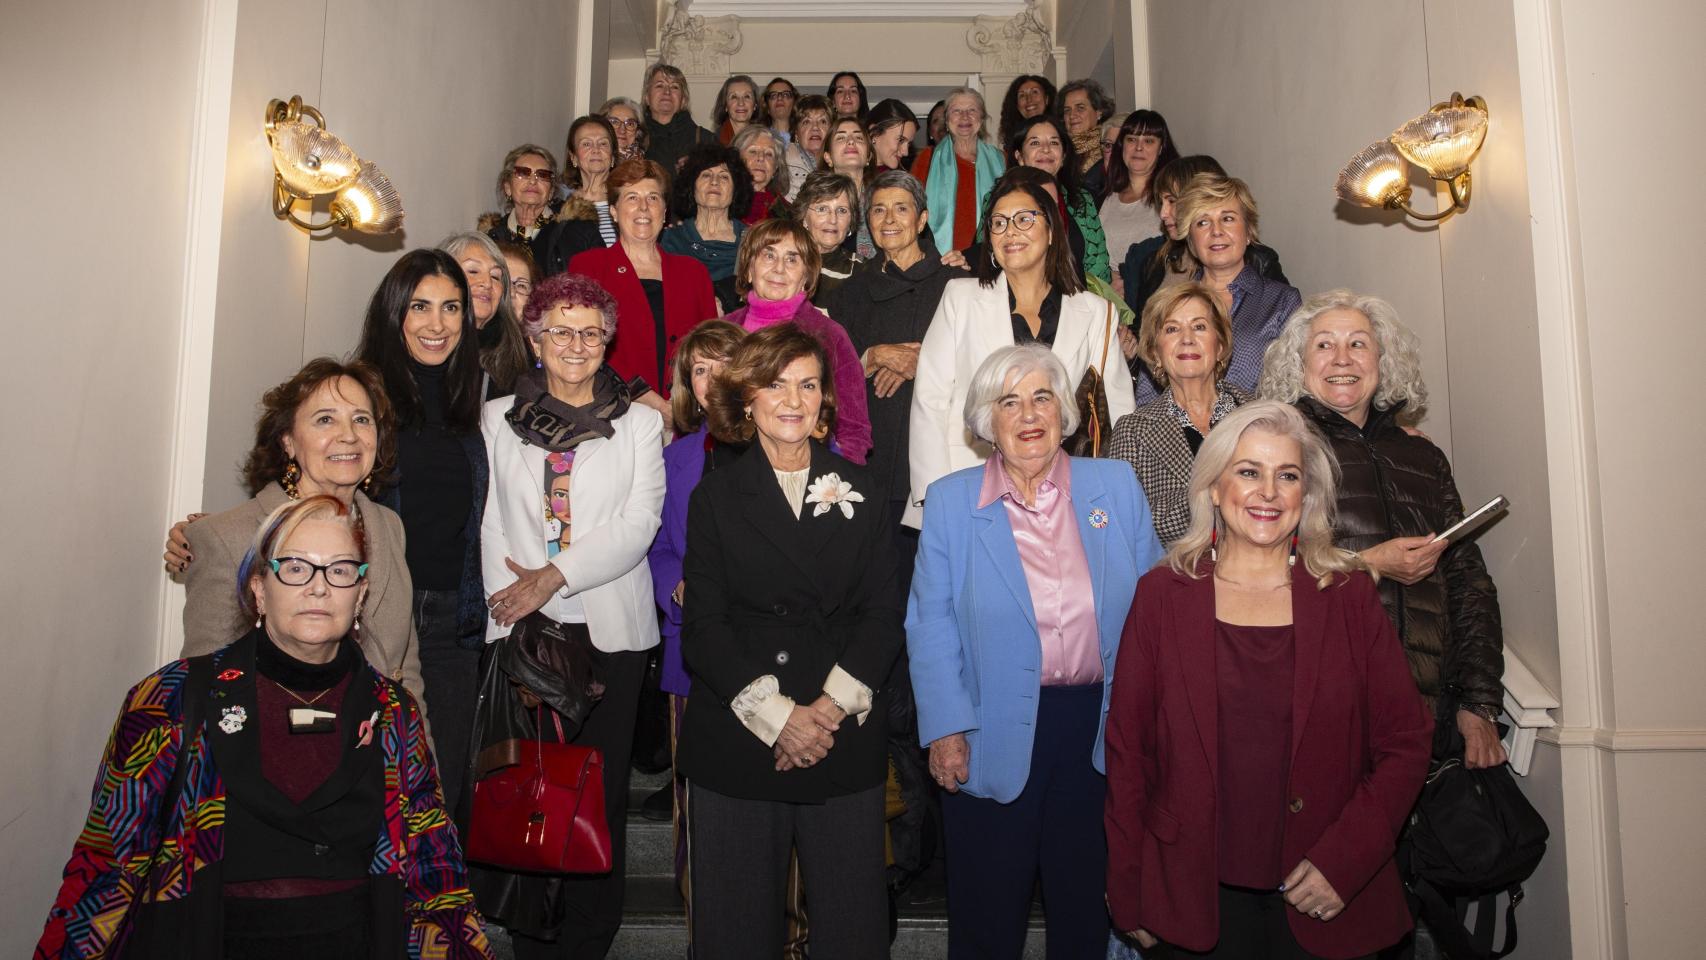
<point>1026,568</point>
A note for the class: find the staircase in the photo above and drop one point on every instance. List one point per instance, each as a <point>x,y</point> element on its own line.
<point>654,926</point>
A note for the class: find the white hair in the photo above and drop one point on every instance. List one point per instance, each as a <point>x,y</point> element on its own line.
<point>1400,367</point>
<point>1008,366</point>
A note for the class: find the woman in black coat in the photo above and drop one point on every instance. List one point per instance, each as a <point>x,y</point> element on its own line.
<point>791,623</point>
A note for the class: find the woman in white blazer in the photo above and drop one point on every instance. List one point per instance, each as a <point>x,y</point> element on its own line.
<point>576,491</point>
<point>1026,290</point>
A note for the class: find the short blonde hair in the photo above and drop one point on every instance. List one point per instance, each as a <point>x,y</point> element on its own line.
<point>1161,306</point>
<point>1206,191</point>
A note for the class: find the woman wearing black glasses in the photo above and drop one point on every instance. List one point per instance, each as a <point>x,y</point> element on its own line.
<point>1027,290</point>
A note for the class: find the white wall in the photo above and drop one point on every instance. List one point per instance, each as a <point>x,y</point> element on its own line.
<point>437,112</point>
<point>92,347</point>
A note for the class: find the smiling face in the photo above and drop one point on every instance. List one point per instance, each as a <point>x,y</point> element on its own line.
<point>1219,236</point>
<point>814,130</point>
<point>1016,248</point>
<point>307,621</point>
<point>848,149</point>
<point>638,211</point>
<point>714,189</point>
<point>1260,493</point>
<point>485,282</point>
<point>561,346</point>
<point>845,96</point>
<point>760,157</point>
<point>534,188</point>
<point>1341,363</point>
<point>1031,99</point>
<point>626,123</point>
<point>333,438</point>
<point>1027,421</point>
<point>1042,148</point>
<point>1079,114</point>
<point>965,117</point>
<point>704,368</point>
<point>741,101</point>
<point>1187,344</point>
<point>785,412</point>
<point>432,325</point>
<point>1139,151</point>
<point>892,145</point>
<point>778,271</point>
<point>896,220</point>
<point>828,221</point>
<point>593,150</point>
<point>664,97</point>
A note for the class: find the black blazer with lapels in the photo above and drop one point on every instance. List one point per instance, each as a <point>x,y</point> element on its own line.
<point>768,594</point>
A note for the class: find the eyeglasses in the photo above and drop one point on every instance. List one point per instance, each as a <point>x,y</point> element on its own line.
<point>1024,220</point>
<point>521,285</point>
<point>524,173</point>
<point>623,124</point>
<point>590,337</point>
<point>779,95</point>
<point>296,572</point>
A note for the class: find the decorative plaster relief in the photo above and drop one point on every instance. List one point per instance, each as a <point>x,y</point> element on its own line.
<point>1011,45</point>
<point>700,46</point>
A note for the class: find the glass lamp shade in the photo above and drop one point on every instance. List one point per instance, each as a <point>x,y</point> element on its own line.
<point>1442,142</point>
<point>1376,177</point>
<point>370,203</point>
<point>311,161</point>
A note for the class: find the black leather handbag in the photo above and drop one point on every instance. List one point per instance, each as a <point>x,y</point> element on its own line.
<point>1472,836</point>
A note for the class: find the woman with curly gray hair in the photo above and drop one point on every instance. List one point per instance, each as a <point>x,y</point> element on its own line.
<point>1352,367</point>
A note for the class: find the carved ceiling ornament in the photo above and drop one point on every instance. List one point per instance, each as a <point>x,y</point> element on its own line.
<point>1011,45</point>
<point>699,46</point>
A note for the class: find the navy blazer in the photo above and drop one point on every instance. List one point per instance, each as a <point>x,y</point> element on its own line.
<point>971,632</point>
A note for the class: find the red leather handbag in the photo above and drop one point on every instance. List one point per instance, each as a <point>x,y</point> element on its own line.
<point>544,813</point>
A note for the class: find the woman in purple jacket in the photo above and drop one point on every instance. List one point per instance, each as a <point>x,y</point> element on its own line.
<point>693,452</point>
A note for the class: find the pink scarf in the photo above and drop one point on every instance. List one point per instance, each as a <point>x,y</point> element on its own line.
<point>761,313</point>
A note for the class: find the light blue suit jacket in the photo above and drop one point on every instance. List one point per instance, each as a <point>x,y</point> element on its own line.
<point>971,634</point>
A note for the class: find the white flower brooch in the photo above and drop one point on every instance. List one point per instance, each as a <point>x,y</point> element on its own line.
<point>830,490</point>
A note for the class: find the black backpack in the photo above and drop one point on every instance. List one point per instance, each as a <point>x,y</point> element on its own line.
<point>1471,837</point>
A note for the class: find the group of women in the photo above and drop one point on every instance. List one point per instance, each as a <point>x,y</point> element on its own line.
<point>808,431</point>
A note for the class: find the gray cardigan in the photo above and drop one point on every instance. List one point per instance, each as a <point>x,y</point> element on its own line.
<point>218,542</point>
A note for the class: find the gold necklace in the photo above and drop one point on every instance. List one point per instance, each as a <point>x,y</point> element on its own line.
<point>298,696</point>
<point>1239,583</point>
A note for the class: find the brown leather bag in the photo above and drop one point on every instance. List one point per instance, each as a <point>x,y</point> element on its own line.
<point>1094,428</point>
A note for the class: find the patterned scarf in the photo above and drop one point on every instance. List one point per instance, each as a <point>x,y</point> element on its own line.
<point>543,420</point>
<point>1089,147</point>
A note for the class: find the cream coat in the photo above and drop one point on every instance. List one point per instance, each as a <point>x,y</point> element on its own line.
<point>616,495</point>
<point>971,323</point>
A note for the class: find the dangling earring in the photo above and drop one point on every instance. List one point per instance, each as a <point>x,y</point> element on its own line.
<point>259,617</point>
<point>749,413</point>
<point>1213,539</point>
<point>992,258</point>
<point>1291,561</point>
<point>355,628</point>
<point>367,484</point>
<point>292,473</point>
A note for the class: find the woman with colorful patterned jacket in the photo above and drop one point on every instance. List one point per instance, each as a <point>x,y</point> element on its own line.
<point>276,798</point>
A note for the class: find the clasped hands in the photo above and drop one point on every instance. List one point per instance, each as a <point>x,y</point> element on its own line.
<point>809,734</point>
<point>890,365</point>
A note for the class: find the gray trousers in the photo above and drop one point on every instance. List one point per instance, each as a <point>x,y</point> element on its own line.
<point>739,850</point>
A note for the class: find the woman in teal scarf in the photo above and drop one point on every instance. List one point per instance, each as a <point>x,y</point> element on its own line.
<point>956,181</point>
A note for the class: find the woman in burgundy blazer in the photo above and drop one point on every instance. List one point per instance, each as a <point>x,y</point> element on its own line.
<point>1298,863</point>
<point>641,349</point>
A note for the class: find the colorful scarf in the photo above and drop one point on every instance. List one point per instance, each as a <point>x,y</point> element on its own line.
<point>943,182</point>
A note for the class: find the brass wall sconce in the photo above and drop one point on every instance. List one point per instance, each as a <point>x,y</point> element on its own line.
<point>309,161</point>
<point>1442,142</point>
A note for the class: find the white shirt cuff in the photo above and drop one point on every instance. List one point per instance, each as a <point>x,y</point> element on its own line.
<point>848,693</point>
<point>762,709</point>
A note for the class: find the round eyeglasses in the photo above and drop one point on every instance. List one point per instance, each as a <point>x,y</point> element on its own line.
<point>1023,220</point>
<point>590,337</point>
<point>296,572</point>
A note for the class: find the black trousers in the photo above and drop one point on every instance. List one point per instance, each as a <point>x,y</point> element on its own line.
<point>451,676</point>
<point>740,850</point>
<point>1253,926</point>
<point>1052,830</point>
<point>593,904</point>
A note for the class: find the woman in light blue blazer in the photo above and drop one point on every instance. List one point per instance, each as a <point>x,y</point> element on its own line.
<point>1026,569</point>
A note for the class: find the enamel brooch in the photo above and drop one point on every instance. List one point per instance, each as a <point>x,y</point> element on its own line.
<point>233,719</point>
<point>1098,518</point>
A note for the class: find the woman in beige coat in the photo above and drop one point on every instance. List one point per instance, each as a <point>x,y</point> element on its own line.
<point>326,430</point>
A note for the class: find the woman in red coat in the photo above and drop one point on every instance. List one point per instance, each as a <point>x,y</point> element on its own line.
<point>659,296</point>
<point>1265,740</point>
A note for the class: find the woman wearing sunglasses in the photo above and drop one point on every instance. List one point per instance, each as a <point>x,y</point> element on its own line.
<point>527,186</point>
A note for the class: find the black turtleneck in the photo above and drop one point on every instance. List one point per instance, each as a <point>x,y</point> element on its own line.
<point>435,488</point>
